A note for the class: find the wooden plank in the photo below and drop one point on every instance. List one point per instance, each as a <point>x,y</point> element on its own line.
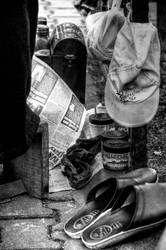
<point>11,189</point>
<point>58,12</point>
<point>53,8</point>
<point>33,167</point>
<point>57,3</point>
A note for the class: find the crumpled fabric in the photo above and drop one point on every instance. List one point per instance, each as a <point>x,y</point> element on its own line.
<point>103,28</point>
<point>78,160</point>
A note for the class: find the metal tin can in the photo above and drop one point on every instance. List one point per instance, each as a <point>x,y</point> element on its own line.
<point>66,31</point>
<point>99,123</point>
<point>69,57</point>
<point>116,154</point>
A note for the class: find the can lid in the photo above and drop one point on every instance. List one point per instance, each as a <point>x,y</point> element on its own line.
<point>100,119</point>
<point>116,146</point>
<point>42,52</point>
<point>115,134</point>
<point>42,20</point>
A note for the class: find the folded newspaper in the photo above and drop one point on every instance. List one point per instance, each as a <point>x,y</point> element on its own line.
<point>52,99</point>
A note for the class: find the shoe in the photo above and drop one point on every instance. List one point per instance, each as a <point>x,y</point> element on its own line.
<point>143,208</point>
<point>102,196</point>
<point>134,177</point>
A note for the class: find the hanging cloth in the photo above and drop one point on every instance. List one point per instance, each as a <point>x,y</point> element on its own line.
<point>103,28</point>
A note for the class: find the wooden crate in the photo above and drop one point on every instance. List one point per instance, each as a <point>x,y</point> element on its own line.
<point>33,167</point>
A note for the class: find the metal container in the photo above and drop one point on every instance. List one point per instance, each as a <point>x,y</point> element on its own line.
<point>115,135</point>
<point>116,154</point>
<point>66,31</point>
<point>99,123</point>
<point>69,57</point>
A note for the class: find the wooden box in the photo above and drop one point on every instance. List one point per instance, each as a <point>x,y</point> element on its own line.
<point>33,167</point>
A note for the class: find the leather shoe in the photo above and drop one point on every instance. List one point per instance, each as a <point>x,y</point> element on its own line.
<point>134,177</point>
<point>103,194</point>
<point>143,208</point>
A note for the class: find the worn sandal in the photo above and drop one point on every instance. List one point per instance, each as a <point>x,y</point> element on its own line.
<point>102,197</point>
<point>138,208</point>
<point>96,204</point>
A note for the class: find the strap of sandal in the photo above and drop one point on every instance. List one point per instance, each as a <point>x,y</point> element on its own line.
<point>104,185</point>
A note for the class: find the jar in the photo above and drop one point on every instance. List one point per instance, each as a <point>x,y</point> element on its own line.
<point>44,55</point>
<point>99,123</point>
<point>42,37</point>
<point>100,108</point>
<point>116,155</point>
<point>42,20</point>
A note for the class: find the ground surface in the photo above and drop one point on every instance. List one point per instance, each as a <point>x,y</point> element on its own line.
<point>27,223</point>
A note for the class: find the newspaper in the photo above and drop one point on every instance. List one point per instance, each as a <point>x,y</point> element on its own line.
<point>52,99</point>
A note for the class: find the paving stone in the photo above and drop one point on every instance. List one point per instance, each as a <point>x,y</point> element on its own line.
<point>27,234</point>
<point>48,233</point>
<point>64,211</point>
<point>66,204</point>
<point>24,205</point>
<point>57,235</point>
<point>77,195</point>
<point>74,245</point>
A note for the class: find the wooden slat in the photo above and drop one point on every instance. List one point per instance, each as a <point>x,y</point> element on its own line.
<point>65,7</point>
<point>57,3</point>
<point>58,11</point>
<point>65,20</point>
<point>11,189</point>
<point>33,167</point>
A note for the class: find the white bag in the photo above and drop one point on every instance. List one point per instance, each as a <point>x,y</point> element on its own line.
<point>103,28</point>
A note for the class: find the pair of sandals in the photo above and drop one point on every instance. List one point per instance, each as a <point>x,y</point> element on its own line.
<point>118,208</point>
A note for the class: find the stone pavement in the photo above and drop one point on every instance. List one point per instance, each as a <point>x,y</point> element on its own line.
<point>28,223</point>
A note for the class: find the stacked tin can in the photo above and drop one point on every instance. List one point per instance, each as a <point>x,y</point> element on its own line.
<point>99,123</point>
<point>42,47</point>
<point>116,150</point>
